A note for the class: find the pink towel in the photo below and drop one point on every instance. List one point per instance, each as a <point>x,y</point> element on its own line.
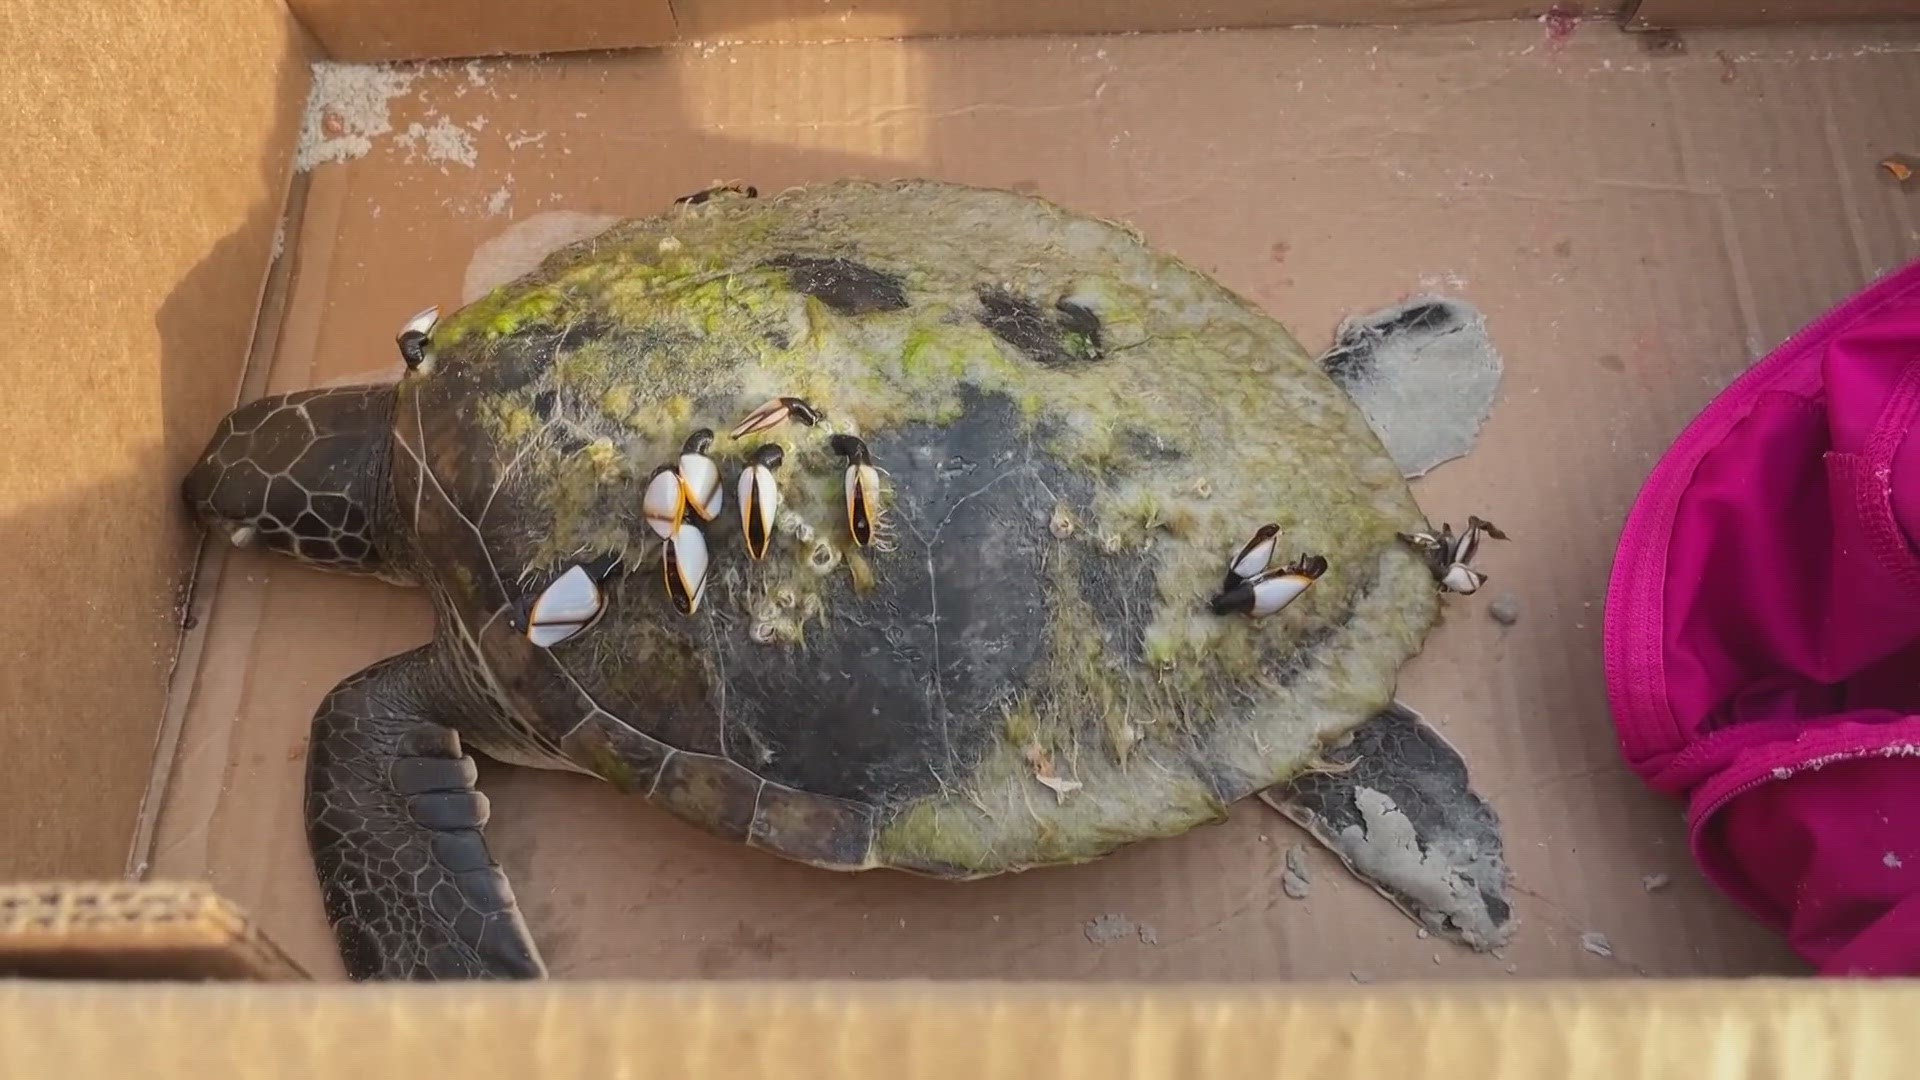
<point>1763,635</point>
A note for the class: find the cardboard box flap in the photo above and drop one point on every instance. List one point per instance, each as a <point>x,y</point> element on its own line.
<point>124,930</point>
<point>363,30</point>
<point>1637,1031</point>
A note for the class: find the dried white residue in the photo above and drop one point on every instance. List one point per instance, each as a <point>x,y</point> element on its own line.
<point>500,201</point>
<point>1655,882</point>
<point>1891,861</point>
<point>524,138</point>
<point>1596,943</point>
<point>279,239</point>
<point>440,142</point>
<point>346,110</point>
<point>1108,929</point>
<point>1295,880</point>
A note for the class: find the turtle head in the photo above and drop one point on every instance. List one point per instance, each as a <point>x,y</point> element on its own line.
<point>304,474</point>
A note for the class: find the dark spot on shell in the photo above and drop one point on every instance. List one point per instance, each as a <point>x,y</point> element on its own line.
<point>844,285</point>
<point>898,691</point>
<point>310,526</point>
<point>1071,335</point>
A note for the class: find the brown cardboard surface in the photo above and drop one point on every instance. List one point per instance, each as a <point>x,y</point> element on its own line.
<point>144,167</point>
<point>1759,1029</point>
<point>1637,226</point>
<point>1680,13</point>
<point>814,20</point>
<point>377,30</point>
<point>132,930</point>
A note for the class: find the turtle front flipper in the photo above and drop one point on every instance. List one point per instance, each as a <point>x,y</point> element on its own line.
<point>395,827</point>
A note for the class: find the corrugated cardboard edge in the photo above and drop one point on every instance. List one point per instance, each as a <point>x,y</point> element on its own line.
<point>1568,1031</point>
<point>1679,14</point>
<point>210,559</point>
<point>372,30</point>
<point>163,930</point>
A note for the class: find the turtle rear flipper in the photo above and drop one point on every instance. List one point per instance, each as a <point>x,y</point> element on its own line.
<point>395,826</point>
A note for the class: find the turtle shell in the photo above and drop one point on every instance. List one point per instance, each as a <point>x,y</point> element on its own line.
<point>1074,434</point>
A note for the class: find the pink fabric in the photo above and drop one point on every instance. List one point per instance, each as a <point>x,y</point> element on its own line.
<point>1763,635</point>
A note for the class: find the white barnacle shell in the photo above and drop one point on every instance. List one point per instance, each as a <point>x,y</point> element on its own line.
<point>863,505</point>
<point>759,508</point>
<point>1254,556</point>
<point>684,562</point>
<point>565,608</point>
<point>665,503</point>
<point>823,558</point>
<point>1463,579</point>
<point>1276,591</point>
<point>700,476</point>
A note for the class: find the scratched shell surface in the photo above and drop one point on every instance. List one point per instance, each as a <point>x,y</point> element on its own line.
<point>1075,433</point>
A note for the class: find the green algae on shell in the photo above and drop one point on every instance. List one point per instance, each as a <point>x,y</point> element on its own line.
<point>1076,432</point>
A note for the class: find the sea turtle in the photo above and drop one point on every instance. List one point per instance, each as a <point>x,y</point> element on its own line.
<point>906,525</point>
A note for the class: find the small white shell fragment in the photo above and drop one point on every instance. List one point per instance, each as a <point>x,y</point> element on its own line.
<point>242,536</point>
<point>1276,592</point>
<point>1596,943</point>
<point>700,476</point>
<point>665,504</point>
<point>571,604</point>
<point>685,559</point>
<point>1061,786</point>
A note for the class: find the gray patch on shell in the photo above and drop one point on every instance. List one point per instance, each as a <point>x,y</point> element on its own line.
<point>1404,819</point>
<point>1424,372</point>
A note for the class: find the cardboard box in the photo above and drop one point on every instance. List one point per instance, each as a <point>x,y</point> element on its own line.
<point>1640,217</point>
